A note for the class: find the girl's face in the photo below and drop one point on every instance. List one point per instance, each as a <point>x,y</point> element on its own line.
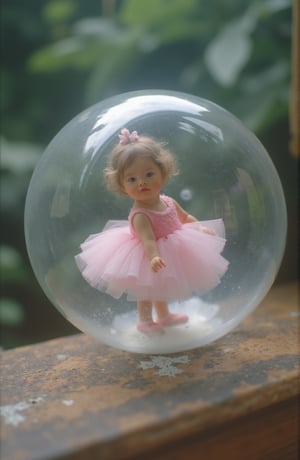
<point>142,180</point>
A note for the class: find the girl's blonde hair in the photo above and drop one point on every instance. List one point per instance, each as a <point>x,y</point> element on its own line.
<point>122,156</point>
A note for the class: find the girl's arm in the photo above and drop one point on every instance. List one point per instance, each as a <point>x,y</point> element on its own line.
<point>186,218</point>
<point>143,228</point>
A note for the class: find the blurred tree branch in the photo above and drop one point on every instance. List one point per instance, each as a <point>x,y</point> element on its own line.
<point>108,8</point>
<point>295,89</point>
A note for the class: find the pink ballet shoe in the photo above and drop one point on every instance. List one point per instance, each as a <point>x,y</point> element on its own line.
<point>172,319</point>
<point>150,328</point>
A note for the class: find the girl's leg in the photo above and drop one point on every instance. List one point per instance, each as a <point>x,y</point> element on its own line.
<point>165,318</point>
<point>146,323</point>
<point>145,310</point>
<point>162,309</point>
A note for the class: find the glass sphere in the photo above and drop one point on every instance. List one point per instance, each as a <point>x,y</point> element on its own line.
<point>225,173</point>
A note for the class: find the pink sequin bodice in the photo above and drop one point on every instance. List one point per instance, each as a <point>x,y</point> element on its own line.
<point>163,222</point>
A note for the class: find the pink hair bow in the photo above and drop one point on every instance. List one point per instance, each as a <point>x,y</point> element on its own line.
<point>126,137</point>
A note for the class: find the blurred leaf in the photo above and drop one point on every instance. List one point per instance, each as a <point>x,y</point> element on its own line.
<point>7,89</point>
<point>265,96</point>
<point>110,66</point>
<point>93,41</point>
<point>11,266</point>
<point>154,12</point>
<point>272,75</point>
<point>64,53</point>
<point>105,75</point>
<point>230,50</point>
<point>58,10</point>
<point>103,28</point>
<point>173,22</point>
<point>19,157</point>
<point>256,108</point>
<point>13,191</point>
<point>272,6</point>
<point>11,312</point>
<point>9,258</point>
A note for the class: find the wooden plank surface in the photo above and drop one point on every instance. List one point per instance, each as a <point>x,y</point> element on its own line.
<point>75,398</point>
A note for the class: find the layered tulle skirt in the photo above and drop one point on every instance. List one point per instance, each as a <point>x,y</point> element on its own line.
<point>114,261</point>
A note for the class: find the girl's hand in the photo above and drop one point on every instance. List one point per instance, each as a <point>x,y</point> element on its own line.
<point>207,230</point>
<point>157,263</point>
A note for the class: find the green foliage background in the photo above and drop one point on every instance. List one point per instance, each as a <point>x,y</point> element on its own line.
<point>60,56</point>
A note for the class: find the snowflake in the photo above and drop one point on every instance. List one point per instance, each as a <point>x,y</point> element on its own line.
<point>166,366</point>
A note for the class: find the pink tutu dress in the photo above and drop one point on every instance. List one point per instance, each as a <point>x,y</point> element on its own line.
<point>114,260</point>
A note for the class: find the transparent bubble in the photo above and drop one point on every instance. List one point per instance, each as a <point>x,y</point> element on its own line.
<point>225,173</point>
<point>186,194</point>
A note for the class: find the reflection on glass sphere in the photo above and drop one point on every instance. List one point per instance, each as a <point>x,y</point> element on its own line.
<point>225,173</point>
<point>186,194</point>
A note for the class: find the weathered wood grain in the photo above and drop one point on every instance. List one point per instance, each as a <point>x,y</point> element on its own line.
<point>74,398</point>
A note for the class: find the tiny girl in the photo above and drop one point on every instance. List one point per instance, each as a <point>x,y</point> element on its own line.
<point>162,253</point>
